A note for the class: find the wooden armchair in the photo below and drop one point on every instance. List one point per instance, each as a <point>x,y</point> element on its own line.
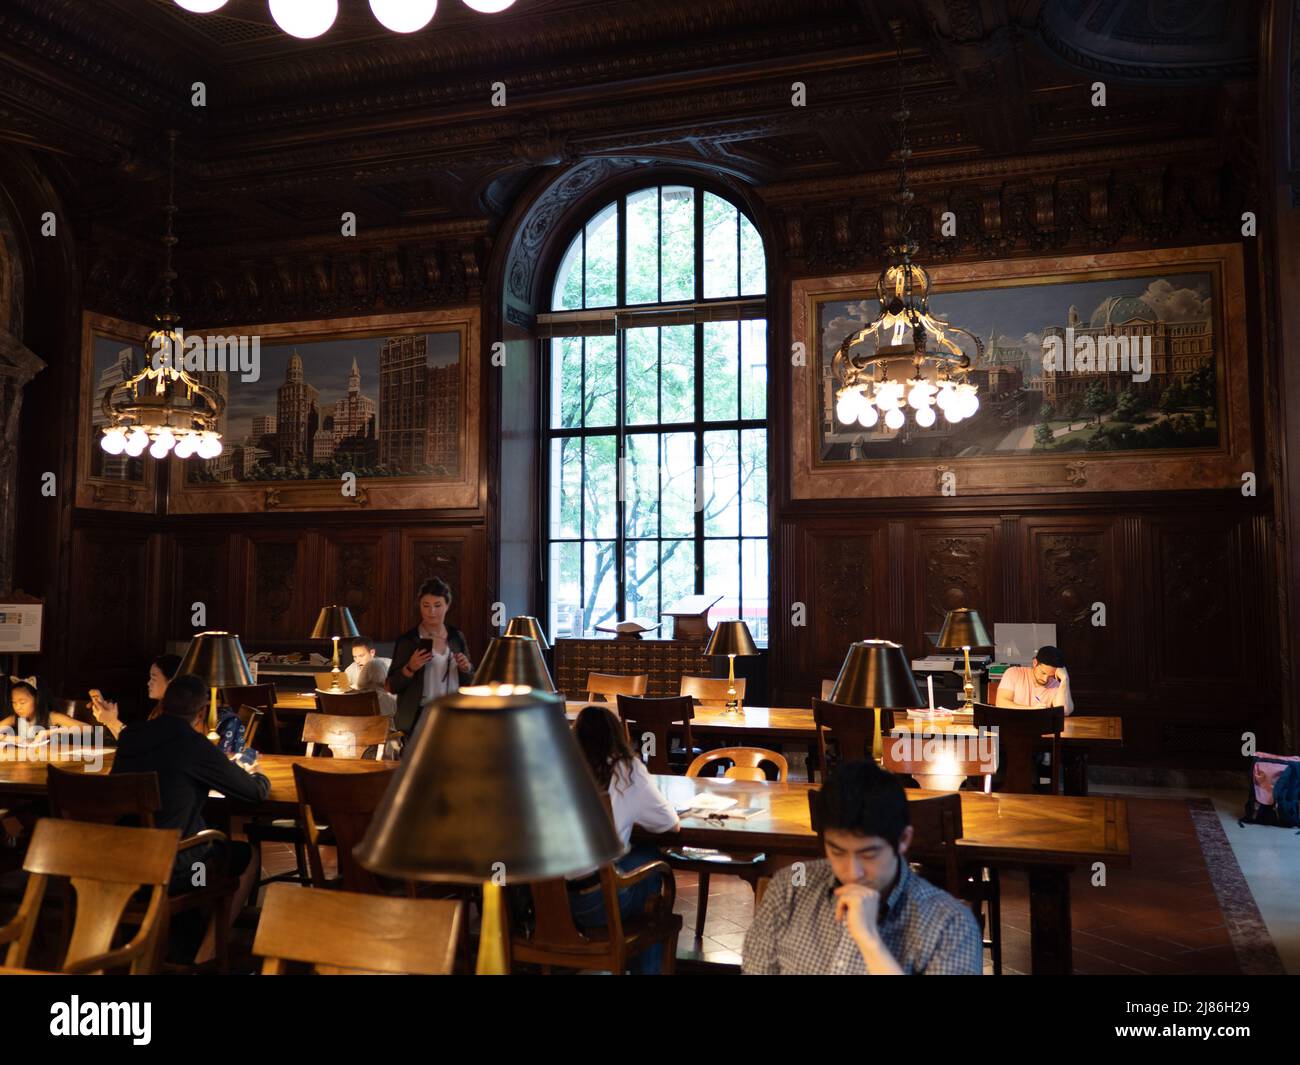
<point>710,691</point>
<point>607,684</point>
<point>661,718</point>
<point>109,798</point>
<point>344,933</point>
<point>345,802</point>
<point>746,764</point>
<point>1020,736</point>
<point>347,736</point>
<point>556,941</point>
<point>107,865</point>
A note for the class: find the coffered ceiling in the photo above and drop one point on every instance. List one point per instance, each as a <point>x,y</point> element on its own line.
<point>402,129</point>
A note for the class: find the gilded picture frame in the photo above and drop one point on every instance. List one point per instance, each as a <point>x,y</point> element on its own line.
<point>818,472</point>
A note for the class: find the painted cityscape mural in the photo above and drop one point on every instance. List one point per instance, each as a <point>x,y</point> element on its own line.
<point>1116,364</point>
<point>115,361</point>
<point>376,407</point>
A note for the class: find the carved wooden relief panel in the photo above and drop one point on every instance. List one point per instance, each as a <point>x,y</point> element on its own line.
<point>845,596</point>
<point>956,568</point>
<point>201,575</point>
<point>1070,566</point>
<point>356,576</point>
<point>1198,634</point>
<point>275,582</point>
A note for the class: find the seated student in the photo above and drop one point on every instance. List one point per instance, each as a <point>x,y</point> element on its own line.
<point>174,746</point>
<point>31,715</point>
<point>635,801</point>
<point>862,910</point>
<point>368,672</point>
<point>1043,682</point>
<point>160,673</point>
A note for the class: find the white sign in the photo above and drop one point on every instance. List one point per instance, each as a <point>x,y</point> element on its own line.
<point>20,628</point>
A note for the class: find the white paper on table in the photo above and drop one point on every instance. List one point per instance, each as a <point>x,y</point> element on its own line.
<point>708,803</point>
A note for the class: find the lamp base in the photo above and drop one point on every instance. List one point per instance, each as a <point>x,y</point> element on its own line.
<point>494,936</point>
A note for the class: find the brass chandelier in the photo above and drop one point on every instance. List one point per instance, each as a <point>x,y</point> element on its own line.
<point>162,407</point>
<point>874,383</point>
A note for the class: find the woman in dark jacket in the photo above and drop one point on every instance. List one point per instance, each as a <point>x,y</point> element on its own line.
<point>419,674</point>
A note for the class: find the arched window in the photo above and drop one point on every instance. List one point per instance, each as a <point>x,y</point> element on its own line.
<point>657,413</point>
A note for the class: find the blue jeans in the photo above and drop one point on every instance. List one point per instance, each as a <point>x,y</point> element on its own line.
<point>589,909</point>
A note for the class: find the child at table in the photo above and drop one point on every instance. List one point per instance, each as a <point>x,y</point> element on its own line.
<point>31,715</point>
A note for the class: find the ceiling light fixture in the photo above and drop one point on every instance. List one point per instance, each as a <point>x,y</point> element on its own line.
<point>162,407</point>
<point>308,19</point>
<point>404,16</point>
<point>869,391</point>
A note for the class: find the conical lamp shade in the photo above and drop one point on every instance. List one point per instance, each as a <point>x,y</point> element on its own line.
<point>490,779</point>
<point>876,673</point>
<point>527,625</point>
<point>963,627</point>
<point>334,621</point>
<point>731,638</point>
<point>218,658</point>
<point>514,660</point>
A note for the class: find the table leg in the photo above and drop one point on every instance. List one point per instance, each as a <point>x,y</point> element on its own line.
<point>1074,771</point>
<point>1049,920</point>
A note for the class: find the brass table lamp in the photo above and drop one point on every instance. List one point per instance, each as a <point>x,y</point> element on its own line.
<point>963,629</point>
<point>527,625</point>
<point>494,790</point>
<point>876,676</point>
<point>731,638</point>
<point>514,660</point>
<point>332,623</point>
<point>218,658</point>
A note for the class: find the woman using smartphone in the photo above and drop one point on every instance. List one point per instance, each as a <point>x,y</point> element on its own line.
<point>429,660</point>
<point>160,674</point>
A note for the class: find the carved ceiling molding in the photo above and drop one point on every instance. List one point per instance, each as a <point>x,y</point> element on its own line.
<point>1157,204</point>
<point>292,281</point>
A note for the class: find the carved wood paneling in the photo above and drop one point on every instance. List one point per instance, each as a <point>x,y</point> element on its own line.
<point>113,630</point>
<point>458,557</point>
<point>957,568</point>
<point>277,611</point>
<point>1197,636</point>
<point>1071,567</point>
<point>201,574</point>
<point>846,595</point>
<point>356,576</point>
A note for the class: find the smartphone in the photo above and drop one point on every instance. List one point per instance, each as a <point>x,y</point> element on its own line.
<point>425,643</point>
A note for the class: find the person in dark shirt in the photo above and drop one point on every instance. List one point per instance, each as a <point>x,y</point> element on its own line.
<point>174,746</point>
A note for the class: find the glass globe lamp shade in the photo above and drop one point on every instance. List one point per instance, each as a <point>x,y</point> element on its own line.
<point>304,19</point>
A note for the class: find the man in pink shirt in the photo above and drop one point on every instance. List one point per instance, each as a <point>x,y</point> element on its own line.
<point>1042,683</point>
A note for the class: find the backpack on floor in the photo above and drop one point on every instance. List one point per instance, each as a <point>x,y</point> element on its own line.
<point>1274,791</point>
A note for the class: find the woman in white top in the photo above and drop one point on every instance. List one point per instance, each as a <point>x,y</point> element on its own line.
<point>635,801</point>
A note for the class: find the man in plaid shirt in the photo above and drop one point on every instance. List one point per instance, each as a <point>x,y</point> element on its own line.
<point>862,910</point>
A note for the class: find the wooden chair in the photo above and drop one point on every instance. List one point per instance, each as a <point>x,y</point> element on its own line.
<point>606,684</point>
<point>250,717</point>
<point>110,798</point>
<point>746,764</point>
<point>345,802</point>
<point>828,686</point>
<point>555,940</point>
<point>710,691</point>
<point>1020,736</point>
<point>342,932</point>
<point>106,865</point>
<point>348,704</point>
<point>278,734</point>
<point>347,736</point>
<point>661,718</point>
<point>850,728</point>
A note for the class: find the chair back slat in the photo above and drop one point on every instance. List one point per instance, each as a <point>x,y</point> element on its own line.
<point>607,684</point>
<point>251,718</point>
<point>710,691</point>
<point>346,736</point>
<point>103,798</point>
<point>346,802</point>
<point>658,718</point>
<point>345,931</point>
<point>746,763</point>
<point>850,728</point>
<point>348,704</point>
